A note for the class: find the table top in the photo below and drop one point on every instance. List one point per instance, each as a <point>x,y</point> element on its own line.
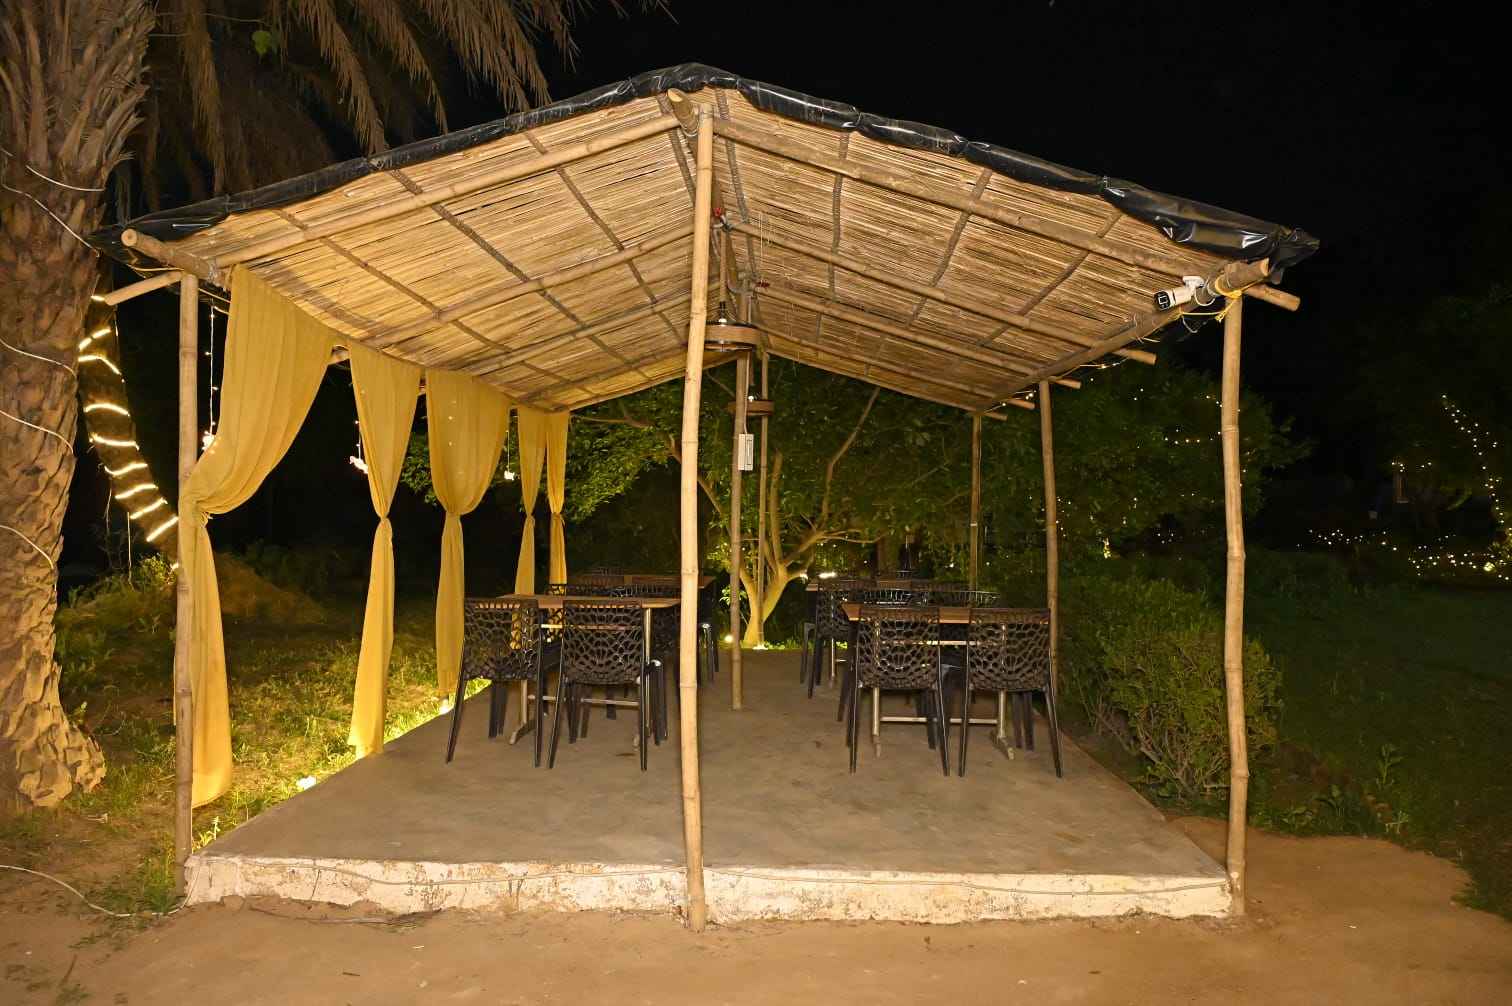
<point>634,578</point>
<point>553,602</point>
<point>954,614</point>
<point>882,584</point>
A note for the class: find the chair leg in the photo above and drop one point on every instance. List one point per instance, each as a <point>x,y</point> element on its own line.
<point>663,693</point>
<point>923,706</point>
<point>803,654</point>
<point>942,716</point>
<point>540,713</point>
<point>574,695</point>
<point>1028,699</point>
<point>556,719</point>
<point>456,723</point>
<point>814,660</point>
<point>853,724</point>
<point>1015,713</point>
<point>501,704</point>
<point>965,726</point>
<point>1055,750</point>
<point>584,709</point>
<point>640,720</point>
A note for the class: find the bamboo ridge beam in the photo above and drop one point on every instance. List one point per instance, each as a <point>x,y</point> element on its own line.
<point>151,283</point>
<point>969,304</point>
<point>510,291</point>
<point>215,271</point>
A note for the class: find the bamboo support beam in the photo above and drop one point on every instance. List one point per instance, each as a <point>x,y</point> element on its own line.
<point>1233,277</point>
<point>968,304</point>
<point>183,697</point>
<point>122,294</point>
<point>737,663</point>
<point>687,666</point>
<point>1233,606</point>
<point>759,604</point>
<point>511,291</point>
<point>976,502</point>
<point>214,271</point>
<point>1052,530</point>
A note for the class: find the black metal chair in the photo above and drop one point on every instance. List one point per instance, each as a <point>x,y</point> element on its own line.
<point>962,597</point>
<point>895,597</point>
<point>899,650</point>
<point>501,642</point>
<point>603,645</point>
<point>1008,650</point>
<point>830,626</point>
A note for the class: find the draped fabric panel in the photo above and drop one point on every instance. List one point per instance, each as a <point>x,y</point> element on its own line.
<point>468,421</point>
<point>556,490</point>
<point>276,356</point>
<point>386,390</point>
<point>531,426</point>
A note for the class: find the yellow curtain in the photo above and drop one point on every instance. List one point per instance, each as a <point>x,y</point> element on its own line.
<point>467,421</point>
<point>556,490</point>
<point>275,358</point>
<point>386,390</point>
<point>531,427</point>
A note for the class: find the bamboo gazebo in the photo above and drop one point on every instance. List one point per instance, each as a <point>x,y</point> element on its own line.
<point>568,255</point>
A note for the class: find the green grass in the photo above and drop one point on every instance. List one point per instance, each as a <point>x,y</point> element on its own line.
<point>290,696</point>
<point>1398,705</point>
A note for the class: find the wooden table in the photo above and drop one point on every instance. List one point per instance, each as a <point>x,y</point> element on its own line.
<point>554,602</point>
<point>949,615</point>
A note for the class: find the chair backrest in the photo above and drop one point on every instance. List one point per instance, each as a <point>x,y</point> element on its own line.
<point>829,620</point>
<point>602,642</point>
<point>595,586</point>
<point>899,647</point>
<point>896,597</point>
<point>1008,649</point>
<point>953,597</point>
<point>499,638</point>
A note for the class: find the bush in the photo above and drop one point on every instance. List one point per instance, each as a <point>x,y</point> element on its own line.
<point>1143,661</point>
<point>308,569</point>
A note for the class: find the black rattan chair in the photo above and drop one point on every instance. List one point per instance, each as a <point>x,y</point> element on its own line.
<point>830,625</point>
<point>501,642</point>
<point>898,649</point>
<point>602,645</point>
<point>1008,650</point>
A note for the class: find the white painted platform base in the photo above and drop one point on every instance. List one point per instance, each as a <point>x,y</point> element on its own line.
<point>734,893</point>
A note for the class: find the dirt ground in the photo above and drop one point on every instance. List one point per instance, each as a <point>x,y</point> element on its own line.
<point>1332,920</point>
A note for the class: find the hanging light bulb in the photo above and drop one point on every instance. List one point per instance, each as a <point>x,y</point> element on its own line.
<point>358,460</point>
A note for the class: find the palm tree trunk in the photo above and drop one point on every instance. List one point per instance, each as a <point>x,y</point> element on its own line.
<point>70,82</point>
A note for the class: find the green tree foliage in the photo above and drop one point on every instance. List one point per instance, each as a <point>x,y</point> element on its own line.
<point>1138,450</point>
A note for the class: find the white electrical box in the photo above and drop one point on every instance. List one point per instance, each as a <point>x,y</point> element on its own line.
<point>747,451</point>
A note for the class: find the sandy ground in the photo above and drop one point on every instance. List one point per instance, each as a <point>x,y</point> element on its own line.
<point>1332,920</point>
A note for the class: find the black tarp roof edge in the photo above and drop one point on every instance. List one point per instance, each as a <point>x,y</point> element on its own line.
<point>1185,221</point>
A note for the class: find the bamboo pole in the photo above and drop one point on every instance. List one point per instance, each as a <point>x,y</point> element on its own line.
<point>687,666</point>
<point>122,294</point>
<point>976,499</point>
<point>761,508</point>
<point>737,661</point>
<point>215,270</point>
<point>1052,529</point>
<point>183,696</point>
<point>964,303</point>
<point>1233,605</point>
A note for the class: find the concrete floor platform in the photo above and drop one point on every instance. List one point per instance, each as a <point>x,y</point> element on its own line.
<point>788,833</point>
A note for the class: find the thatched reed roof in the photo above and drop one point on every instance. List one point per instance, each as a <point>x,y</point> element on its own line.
<point>548,253</point>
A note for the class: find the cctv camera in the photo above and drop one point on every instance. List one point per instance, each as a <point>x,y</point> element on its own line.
<point>1179,295</point>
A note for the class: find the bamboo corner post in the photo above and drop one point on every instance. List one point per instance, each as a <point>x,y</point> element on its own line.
<point>1052,529</point>
<point>976,499</point>
<point>759,604</point>
<point>1233,605</point>
<point>687,667</point>
<point>183,696</point>
<point>737,661</point>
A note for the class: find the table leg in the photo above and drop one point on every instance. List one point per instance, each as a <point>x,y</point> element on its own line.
<point>877,721</point>
<point>1000,735</point>
<point>527,721</point>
